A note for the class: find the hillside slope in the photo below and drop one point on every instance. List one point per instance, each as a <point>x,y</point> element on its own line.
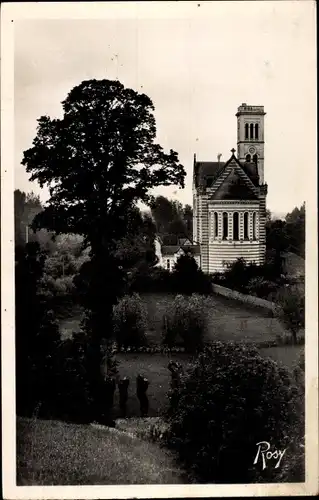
<point>55,453</point>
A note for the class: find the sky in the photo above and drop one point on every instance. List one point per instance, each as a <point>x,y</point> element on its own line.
<point>197,63</point>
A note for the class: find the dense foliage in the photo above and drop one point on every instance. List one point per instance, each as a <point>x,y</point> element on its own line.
<point>187,278</point>
<point>37,333</point>
<point>173,220</point>
<point>291,310</point>
<point>98,161</point>
<point>230,400</point>
<point>260,281</point>
<point>130,321</point>
<point>289,234</point>
<point>26,207</point>
<point>185,322</point>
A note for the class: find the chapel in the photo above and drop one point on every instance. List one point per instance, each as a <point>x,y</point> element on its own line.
<point>229,198</point>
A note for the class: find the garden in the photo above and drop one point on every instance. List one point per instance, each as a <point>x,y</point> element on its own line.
<point>102,333</point>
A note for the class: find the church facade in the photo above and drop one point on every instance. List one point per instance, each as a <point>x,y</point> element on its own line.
<point>229,198</point>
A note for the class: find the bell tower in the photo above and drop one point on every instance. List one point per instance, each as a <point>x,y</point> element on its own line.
<point>250,136</point>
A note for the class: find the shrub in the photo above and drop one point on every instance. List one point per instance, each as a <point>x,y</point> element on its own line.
<point>185,321</point>
<point>187,278</point>
<point>155,279</point>
<point>155,433</point>
<point>235,275</point>
<point>291,310</point>
<point>71,398</point>
<point>228,401</point>
<point>130,321</point>
<point>260,287</point>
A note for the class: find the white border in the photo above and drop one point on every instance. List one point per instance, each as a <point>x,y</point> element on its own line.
<point>84,10</point>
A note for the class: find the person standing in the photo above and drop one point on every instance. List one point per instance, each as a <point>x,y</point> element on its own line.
<point>123,390</point>
<point>142,384</point>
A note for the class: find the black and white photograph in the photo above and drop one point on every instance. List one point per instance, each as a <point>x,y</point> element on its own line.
<point>159,273</point>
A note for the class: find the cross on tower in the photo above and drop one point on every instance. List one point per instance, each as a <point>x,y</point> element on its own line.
<point>233,151</point>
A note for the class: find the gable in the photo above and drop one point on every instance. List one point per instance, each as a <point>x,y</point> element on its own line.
<point>235,185</point>
<point>184,241</point>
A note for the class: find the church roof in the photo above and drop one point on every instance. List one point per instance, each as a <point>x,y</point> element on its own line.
<point>250,168</point>
<point>207,172</point>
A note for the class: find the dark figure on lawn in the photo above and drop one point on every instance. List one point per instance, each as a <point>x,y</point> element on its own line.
<point>176,370</point>
<point>123,390</point>
<point>141,387</point>
<point>109,392</point>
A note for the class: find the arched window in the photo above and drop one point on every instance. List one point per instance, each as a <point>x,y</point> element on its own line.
<point>215,224</point>
<point>246,226</point>
<point>256,131</point>
<point>255,159</point>
<point>236,226</point>
<point>246,131</point>
<point>225,225</point>
<point>254,225</point>
<point>248,158</point>
<point>251,130</point>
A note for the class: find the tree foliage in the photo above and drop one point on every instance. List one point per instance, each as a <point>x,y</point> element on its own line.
<point>98,161</point>
<point>173,221</point>
<point>185,322</point>
<point>291,310</point>
<point>26,207</point>
<point>130,321</point>
<point>187,278</point>
<point>37,332</point>
<point>289,234</point>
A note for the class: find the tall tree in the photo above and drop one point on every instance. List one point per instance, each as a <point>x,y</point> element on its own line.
<point>26,206</point>
<point>98,161</point>
<point>188,220</point>
<point>173,221</point>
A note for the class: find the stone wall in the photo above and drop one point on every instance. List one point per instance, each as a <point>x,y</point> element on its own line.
<point>247,299</point>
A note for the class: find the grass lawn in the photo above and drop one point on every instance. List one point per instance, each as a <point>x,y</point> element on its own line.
<point>56,453</point>
<point>154,367</point>
<point>227,319</point>
<point>287,355</point>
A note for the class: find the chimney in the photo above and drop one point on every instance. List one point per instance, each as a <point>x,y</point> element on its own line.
<point>219,157</point>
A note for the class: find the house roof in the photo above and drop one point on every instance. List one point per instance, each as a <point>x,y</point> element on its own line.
<point>173,249</point>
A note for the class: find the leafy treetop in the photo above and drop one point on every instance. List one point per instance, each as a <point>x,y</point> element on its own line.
<point>99,160</point>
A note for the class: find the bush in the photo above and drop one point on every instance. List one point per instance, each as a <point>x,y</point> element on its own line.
<point>187,278</point>
<point>291,311</point>
<point>260,287</point>
<point>154,280</point>
<point>130,321</point>
<point>72,398</point>
<point>185,322</point>
<point>260,281</point>
<point>76,397</point>
<point>228,401</point>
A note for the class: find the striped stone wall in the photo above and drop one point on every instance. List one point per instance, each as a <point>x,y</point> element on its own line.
<point>231,251</point>
<point>204,237</point>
